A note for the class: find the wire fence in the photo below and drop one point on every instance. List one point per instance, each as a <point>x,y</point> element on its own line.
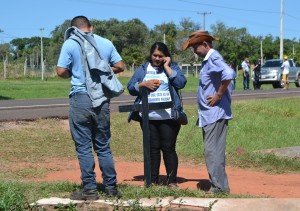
<point>15,71</point>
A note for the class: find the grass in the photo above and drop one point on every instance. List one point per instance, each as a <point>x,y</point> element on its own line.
<point>54,87</point>
<point>257,124</point>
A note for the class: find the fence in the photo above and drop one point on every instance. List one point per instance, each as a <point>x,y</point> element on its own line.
<point>8,70</point>
<point>191,69</point>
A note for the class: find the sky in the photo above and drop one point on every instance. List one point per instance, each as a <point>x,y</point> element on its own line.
<point>26,18</point>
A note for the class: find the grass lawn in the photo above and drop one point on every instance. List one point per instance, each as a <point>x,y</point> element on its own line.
<point>257,124</point>
<point>54,87</point>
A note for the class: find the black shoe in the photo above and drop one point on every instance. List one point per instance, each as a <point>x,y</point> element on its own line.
<point>85,194</point>
<point>113,192</point>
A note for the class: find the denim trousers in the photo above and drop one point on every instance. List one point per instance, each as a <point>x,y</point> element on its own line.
<point>246,80</point>
<point>163,136</point>
<point>90,130</point>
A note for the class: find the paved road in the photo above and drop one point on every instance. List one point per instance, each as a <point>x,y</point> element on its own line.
<point>58,107</point>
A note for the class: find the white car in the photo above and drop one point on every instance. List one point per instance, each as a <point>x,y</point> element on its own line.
<point>271,73</point>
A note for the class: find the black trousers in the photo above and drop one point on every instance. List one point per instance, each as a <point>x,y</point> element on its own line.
<point>163,136</point>
<point>256,84</point>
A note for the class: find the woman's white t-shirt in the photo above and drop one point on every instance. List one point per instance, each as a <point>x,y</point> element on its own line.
<point>162,94</point>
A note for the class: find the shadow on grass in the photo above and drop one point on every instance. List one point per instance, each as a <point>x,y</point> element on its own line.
<point>5,98</point>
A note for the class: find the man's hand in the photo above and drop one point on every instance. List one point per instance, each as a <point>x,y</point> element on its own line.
<point>212,100</point>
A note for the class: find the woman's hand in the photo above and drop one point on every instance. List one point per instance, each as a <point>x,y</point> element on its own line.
<point>167,61</point>
<point>152,84</point>
<point>167,64</point>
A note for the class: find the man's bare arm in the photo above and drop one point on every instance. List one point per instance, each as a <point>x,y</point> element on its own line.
<point>63,72</point>
<point>118,67</point>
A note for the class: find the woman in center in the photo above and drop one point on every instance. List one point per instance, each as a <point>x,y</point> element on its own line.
<point>161,76</point>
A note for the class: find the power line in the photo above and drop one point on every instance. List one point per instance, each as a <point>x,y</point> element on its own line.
<point>8,35</point>
<point>231,8</point>
<point>132,6</point>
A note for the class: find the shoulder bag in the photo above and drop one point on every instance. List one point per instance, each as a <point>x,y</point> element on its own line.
<point>178,115</point>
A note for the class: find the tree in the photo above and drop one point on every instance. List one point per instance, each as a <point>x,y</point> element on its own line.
<point>167,33</point>
<point>235,44</point>
<point>133,40</point>
<point>5,49</point>
<point>185,28</point>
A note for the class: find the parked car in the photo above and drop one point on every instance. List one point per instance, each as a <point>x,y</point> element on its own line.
<point>271,73</point>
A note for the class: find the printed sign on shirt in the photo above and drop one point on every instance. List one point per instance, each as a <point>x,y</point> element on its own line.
<point>159,96</point>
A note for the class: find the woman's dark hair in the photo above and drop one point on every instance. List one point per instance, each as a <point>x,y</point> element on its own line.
<point>161,47</point>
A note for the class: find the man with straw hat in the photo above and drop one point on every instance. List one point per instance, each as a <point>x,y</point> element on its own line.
<point>214,106</point>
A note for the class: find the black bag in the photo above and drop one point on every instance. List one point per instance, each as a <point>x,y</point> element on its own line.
<point>178,115</point>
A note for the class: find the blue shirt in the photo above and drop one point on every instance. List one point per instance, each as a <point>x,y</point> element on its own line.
<point>214,71</point>
<point>70,58</point>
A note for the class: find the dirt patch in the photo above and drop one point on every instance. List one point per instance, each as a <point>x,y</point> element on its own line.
<point>190,176</point>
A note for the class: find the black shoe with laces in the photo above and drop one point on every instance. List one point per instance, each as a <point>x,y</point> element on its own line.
<point>113,192</point>
<point>85,194</point>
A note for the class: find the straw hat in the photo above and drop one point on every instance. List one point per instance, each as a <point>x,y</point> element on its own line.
<point>198,37</point>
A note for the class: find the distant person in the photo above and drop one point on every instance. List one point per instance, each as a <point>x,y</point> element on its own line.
<point>246,76</point>
<point>234,80</point>
<point>89,115</point>
<point>163,78</point>
<point>214,106</point>
<point>285,74</point>
<point>256,71</point>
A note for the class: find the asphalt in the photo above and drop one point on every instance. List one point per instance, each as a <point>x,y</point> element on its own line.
<point>184,203</point>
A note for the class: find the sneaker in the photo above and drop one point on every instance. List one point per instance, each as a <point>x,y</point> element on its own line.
<point>85,194</point>
<point>113,192</point>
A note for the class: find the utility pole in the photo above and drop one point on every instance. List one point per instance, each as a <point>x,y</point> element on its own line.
<point>293,50</point>
<point>261,52</point>
<point>42,56</point>
<point>204,14</point>
<point>281,31</point>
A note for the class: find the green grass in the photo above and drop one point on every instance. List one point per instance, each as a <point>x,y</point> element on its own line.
<point>54,87</point>
<point>257,124</point>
